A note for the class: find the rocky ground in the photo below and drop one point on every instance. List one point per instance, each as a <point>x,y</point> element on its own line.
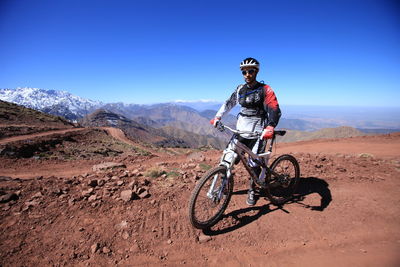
<point>85,211</point>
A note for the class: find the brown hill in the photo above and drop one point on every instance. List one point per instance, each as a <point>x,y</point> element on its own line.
<point>338,132</point>
<point>133,130</point>
<point>19,120</point>
<point>167,136</point>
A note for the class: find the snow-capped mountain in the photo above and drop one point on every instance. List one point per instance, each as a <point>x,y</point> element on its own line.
<point>59,103</point>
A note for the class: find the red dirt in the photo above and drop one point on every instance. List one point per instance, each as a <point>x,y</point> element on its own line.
<point>358,227</point>
<point>32,136</point>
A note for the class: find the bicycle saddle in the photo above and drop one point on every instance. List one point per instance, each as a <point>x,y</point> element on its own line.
<point>281,133</point>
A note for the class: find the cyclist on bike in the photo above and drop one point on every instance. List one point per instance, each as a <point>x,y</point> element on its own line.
<point>259,112</point>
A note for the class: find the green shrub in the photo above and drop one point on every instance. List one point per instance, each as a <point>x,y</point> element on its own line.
<point>205,167</point>
<point>173,174</point>
<point>154,173</point>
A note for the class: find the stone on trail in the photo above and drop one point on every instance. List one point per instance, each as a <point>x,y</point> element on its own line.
<point>122,225</point>
<point>108,165</point>
<point>106,250</point>
<point>8,197</point>
<point>204,238</point>
<point>127,195</point>
<point>94,248</point>
<point>93,183</point>
<point>87,193</point>
<point>92,198</point>
<point>37,195</point>
<point>134,247</point>
<point>125,235</point>
<point>144,194</point>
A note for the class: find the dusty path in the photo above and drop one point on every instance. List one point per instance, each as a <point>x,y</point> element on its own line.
<point>120,135</point>
<point>383,146</point>
<point>31,136</point>
<point>347,214</point>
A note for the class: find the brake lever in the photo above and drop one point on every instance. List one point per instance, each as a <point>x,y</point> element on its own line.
<point>220,126</point>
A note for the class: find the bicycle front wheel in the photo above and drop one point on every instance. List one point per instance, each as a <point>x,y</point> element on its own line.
<point>210,198</point>
<point>285,176</point>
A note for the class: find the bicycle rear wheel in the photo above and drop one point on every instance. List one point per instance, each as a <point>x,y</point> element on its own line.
<point>285,176</point>
<point>208,202</point>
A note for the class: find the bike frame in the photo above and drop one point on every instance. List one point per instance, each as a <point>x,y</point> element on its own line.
<point>229,156</point>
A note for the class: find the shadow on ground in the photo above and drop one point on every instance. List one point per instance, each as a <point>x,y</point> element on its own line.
<point>240,218</point>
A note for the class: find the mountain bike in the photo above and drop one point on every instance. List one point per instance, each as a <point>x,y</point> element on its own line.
<point>213,191</point>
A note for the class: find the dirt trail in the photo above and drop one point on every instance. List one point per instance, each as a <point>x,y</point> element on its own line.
<point>120,135</point>
<point>383,146</point>
<point>346,214</point>
<point>31,136</point>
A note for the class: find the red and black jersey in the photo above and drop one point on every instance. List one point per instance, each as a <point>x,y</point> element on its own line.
<point>258,101</point>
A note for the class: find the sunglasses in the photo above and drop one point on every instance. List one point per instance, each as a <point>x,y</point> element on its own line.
<point>251,71</point>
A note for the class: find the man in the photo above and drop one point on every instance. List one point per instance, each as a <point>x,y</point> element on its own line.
<point>259,112</point>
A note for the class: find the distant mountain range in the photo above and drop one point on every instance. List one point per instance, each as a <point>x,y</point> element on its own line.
<point>60,103</point>
<point>163,136</point>
<point>188,121</point>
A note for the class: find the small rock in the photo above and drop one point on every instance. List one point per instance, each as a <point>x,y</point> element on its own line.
<point>37,195</point>
<point>125,174</point>
<point>119,183</point>
<point>204,238</point>
<point>127,195</point>
<point>87,193</point>
<point>93,183</point>
<point>144,194</point>
<point>169,241</point>
<point>134,248</point>
<point>94,248</point>
<point>121,225</point>
<point>125,235</point>
<point>131,185</point>
<point>191,165</point>
<point>135,189</point>
<point>106,250</point>
<point>101,182</point>
<point>8,197</point>
<point>32,203</point>
<point>71,201</point>
<point>92,198</point>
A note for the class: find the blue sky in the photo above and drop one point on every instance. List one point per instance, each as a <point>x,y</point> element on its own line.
<point>311,52</point>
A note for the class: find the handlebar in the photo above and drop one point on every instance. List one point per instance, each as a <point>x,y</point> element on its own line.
<point>221,127</point>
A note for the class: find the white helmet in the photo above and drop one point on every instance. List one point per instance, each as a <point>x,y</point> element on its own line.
<point>250,62</point>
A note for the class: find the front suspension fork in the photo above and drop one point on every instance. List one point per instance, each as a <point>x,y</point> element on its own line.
<point>211,191</point>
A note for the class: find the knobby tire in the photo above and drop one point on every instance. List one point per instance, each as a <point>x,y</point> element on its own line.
<point>200,194</point>
<point>287,166</point>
